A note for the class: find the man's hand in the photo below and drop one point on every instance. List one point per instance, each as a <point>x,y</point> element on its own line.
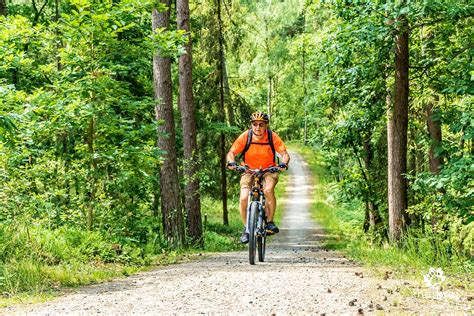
<point>241,169</point>
<point>283,166</point>
<point>232,165</point>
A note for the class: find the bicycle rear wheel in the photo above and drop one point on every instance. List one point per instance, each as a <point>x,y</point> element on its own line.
<point>252,226</point>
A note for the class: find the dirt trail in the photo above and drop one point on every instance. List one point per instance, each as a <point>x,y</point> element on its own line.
<point>299,277</point>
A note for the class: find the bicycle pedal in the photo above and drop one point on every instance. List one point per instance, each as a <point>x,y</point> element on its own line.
<point>269,232</point>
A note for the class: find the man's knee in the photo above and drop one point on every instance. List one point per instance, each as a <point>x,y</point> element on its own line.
<point>243,196</point>
<point>269,192</point>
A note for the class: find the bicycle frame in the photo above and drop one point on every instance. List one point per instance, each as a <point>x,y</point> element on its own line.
<point>257,195</point>
<point>256,217</point>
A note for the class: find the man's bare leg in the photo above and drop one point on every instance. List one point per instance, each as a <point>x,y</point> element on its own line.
<point>270,204</point>
<point>244,195</point>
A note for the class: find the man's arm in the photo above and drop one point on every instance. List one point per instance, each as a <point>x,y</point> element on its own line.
<point>231,159</point>
<point>285,157</point>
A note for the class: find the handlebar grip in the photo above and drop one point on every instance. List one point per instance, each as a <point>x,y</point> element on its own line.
<point>240,169</point>
<point>274,169</point>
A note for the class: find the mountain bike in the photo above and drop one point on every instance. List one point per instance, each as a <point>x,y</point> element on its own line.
<point>256,218</point>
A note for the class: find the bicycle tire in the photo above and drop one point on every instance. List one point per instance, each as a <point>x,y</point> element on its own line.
<point>261,243</point>
<point>252,226</point>
<point>261,236</point>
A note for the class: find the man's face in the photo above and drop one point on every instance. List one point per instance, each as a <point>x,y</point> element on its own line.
<point>259,127</point>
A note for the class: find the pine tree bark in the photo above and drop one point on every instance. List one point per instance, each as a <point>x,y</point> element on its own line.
<point>303,66</point>
<point>225,213</point>
<point>188,118</point>
<point>59,44</point>
<point>172,217</point>
<point>435,161</point>
<point>269,97</point>
<point>90,139</point>
<point>229,106</point>
<point>3,8</point>
<point>397,137</point>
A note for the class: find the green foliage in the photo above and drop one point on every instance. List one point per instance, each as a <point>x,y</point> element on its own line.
<point>36,258</point>
<point>219,237</point>
<point>77,116</point>
<point>352,60</point>
<point>78,160</point>
<point>419,249</point>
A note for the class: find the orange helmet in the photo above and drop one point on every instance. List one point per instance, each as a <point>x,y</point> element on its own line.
<point>259,116</point>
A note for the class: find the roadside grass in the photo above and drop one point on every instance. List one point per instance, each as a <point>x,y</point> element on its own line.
<point>280,196</point>
<point>343,222</point>
<point>217,236</point>
<point>36,263</point>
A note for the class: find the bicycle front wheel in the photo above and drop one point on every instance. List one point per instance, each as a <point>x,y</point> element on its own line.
<point>261,248</point>
<point>261,235</point>
<point>252,226</point>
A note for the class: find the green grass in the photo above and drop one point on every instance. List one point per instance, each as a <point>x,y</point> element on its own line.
<point>219,237</point>
<point>343,225</point>
<point>280,193</point>
<point>37,262</point>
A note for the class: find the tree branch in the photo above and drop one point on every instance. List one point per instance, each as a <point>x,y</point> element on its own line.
<point>38,13</point>
<point>443,19</point>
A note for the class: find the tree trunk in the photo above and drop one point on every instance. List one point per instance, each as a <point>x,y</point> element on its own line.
<point>412,171</point>
<point>171,211</point>
<point>435,161</point>
<point>434,131</point>
<point>372,210</point>
<point>305,99</point>
<point>59,44</point>
<point>229,106</point>
<point>93,168</point>
<point>186,105</point>
<point>225,214</point>
<point>397,137</point>
<point>3,8</point>
<point>303,66</point>
<point>340,165</point>
<point>269,97</point>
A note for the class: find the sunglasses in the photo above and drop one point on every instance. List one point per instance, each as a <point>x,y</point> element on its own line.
<point>258,124</point>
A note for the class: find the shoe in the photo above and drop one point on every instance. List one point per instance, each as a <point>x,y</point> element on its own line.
<point>271,228</point>
<point>244,238</point>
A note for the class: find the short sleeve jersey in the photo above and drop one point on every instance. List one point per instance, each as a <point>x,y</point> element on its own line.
<point>258,155</point>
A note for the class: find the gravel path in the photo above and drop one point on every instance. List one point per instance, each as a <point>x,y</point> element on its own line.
<point>298,277</point>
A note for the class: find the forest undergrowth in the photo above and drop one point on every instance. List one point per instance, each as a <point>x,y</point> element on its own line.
<point>37,261</point>
<point>343,220</point>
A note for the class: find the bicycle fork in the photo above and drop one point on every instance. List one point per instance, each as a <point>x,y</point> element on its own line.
<point>261,221</point>
<point>261,216</point>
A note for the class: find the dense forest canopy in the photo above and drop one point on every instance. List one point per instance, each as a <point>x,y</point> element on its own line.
<point>381,89</point>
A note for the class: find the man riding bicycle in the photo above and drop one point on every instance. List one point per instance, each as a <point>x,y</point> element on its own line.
<point>258,147</point>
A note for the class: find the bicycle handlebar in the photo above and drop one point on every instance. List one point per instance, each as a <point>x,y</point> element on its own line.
<point>242,169</point>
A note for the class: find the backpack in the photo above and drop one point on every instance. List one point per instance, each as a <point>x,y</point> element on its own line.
<point>249,142</point>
